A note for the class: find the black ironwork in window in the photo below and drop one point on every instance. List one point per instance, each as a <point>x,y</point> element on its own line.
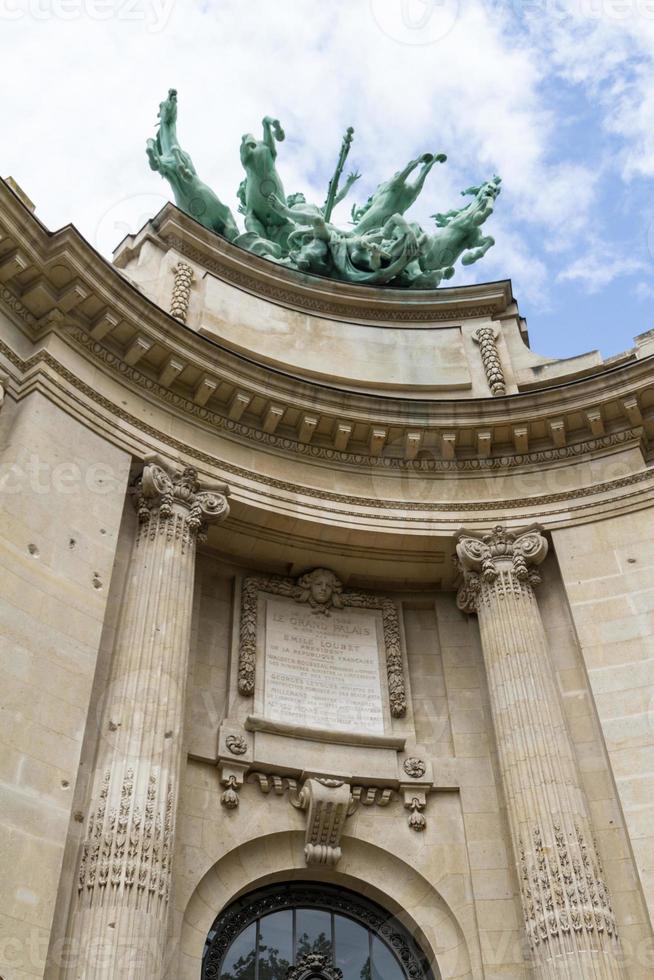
<point>310,931</point>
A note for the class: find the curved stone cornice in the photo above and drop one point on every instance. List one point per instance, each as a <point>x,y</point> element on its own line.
<point>315,294</point>
<point>358,469</point>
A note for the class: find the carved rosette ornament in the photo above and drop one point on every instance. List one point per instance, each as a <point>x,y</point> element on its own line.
<point>236,744</point>
<point>323,591</point>
<point>120,911</point>
<point>568,916</point>
<point>415,768</point>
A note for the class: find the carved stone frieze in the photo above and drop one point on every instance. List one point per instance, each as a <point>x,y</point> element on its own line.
<point>426,462</point>
<point>396,511</point>
<point>322,591</point>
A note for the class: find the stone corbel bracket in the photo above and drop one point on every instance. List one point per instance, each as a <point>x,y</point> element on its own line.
<point>328,802</point>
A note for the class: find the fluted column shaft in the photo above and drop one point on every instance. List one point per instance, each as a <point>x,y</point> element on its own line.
<point>120,917</point>
<point>568,916</point>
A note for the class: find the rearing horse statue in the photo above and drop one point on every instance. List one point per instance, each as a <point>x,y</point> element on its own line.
<point>458,234</point>
<point>394,196</point>
<point>175,165</point>
<point>262,180</point>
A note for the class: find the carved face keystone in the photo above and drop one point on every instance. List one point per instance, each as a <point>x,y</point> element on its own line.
<point>322,587</point>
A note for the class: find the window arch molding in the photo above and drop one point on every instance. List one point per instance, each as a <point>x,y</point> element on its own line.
<point>340,904</point>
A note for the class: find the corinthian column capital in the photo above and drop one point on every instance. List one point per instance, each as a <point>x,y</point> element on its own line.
<point>163,493</point>
<point>499,559</point>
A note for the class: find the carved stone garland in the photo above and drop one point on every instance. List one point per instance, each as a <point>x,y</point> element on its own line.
<point>124,873</point>
<point>568,916</point>
<point>181,295</point>
<point>486,337</point>
<point>305,590</point>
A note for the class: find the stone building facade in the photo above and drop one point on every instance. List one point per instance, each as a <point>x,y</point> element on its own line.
<point>327,612</point>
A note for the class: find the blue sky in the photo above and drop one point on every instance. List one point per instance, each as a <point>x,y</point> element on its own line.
<point>555,95</point>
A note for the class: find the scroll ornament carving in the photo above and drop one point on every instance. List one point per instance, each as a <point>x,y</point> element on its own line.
<point>313,965</point>
<point>181,295</point>
<point>486,337</point>
<point>563,888</point>
<point>501,563</point>
<point>328,803</point>
<point>171,502</point>
<point>323,591</point>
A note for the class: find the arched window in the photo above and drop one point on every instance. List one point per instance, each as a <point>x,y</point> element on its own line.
<point>310,931</point>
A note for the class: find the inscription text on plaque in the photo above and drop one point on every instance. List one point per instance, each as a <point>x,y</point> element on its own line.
<point>322,671</point>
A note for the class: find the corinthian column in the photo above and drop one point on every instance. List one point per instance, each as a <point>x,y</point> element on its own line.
<point>567,909</point>
<point>120,914</point>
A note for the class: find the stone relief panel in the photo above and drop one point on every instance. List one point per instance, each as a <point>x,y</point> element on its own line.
<point>323,659</point>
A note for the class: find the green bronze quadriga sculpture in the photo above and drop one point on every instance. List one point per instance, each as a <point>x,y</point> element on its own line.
<point>381,247</point>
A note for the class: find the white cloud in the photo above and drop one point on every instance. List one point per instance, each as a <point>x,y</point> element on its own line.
<point>85,93</point>
<point>599,266</point>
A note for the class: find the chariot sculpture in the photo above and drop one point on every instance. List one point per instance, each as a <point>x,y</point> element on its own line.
<point>381,247</point>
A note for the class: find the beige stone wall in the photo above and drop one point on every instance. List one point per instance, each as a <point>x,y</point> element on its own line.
<point>607,568</point>
<point>463,858</point>
<point>63,494</point>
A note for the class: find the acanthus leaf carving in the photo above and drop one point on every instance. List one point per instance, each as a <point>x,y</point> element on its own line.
<point>499,562</point>
<point>171,501</point>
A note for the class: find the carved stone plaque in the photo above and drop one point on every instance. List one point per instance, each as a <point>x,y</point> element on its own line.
<point>323,671</point>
